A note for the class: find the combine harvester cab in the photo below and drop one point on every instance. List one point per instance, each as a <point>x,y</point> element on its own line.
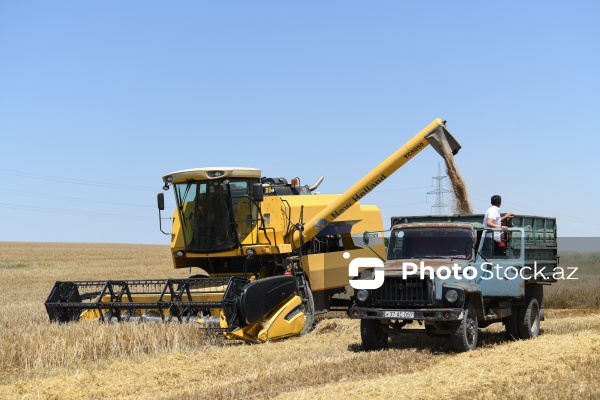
<point>262,272</point>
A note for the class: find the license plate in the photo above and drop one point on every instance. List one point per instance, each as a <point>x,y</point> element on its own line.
<point>399,314</point>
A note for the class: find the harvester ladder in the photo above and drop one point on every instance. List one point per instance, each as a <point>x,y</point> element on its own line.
<point>303,286</point>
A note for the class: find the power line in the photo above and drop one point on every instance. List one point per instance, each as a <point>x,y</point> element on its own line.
<point>410,188</point>
<point>80,200</point>
<point>72,181</point>
<point>72,212</point>
<point>399,205</point>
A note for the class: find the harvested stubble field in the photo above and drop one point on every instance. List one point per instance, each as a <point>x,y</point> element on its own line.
<point>164,361</point>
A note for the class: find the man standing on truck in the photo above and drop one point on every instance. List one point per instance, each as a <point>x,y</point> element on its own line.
<point>492,219</point>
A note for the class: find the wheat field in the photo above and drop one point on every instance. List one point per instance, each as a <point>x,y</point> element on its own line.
<point>89,360</point>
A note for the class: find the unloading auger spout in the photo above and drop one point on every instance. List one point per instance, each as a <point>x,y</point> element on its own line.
<point>435,134</point>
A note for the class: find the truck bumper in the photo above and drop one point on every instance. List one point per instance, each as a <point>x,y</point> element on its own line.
<point>422,314</point>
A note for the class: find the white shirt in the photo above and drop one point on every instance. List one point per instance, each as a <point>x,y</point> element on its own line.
<point>494,213</point>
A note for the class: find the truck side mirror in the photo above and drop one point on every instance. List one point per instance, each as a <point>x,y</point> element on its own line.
<point>257,192</point>
<point>366,238</point>
<point>161,201</point>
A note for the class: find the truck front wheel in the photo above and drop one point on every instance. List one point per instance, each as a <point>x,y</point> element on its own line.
<point>529,319</point>
<point>464,337</point>
<point>372,334</point>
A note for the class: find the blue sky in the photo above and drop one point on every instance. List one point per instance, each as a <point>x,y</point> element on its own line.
<point>99,100</point>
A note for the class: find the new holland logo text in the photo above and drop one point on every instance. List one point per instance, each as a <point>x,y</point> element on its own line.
<point>358,196</point>
<point>413,151</point>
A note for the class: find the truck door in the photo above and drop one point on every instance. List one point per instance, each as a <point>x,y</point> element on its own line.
<point>501,274</point>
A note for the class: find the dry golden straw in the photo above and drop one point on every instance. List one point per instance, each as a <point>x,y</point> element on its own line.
<point>39,360</point>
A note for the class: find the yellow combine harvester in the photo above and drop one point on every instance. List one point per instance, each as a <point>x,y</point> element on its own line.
<point>269,254</point>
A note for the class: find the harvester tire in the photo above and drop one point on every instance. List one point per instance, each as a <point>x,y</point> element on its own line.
<point>308,307</point>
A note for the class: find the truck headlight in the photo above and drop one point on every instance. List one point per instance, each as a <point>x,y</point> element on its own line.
<point>362,295</point>
<point>451,296</point>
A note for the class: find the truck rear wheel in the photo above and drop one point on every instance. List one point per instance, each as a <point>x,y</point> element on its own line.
<point>372,334</point>
<point>465,336</point>
<point>511,324</point>
<point>529,319</point>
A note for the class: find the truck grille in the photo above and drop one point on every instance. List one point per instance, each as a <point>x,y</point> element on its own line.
<point>398,291</point>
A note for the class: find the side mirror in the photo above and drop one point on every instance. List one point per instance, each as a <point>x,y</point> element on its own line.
<point>366,238</point>
<point>160,198</point>
<point>257,192</point>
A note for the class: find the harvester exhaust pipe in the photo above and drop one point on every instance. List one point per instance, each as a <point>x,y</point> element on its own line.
<point>316,184</point>
<point>436,134</point>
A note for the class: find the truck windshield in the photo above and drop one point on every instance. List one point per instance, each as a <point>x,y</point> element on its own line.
<point>215,216</point>
<point>434,242</point>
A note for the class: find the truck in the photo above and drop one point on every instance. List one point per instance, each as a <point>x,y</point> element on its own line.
<point>437,276</point>
<point>267,254</point>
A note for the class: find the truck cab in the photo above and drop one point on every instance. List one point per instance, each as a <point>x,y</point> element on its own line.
<point>436,275</point>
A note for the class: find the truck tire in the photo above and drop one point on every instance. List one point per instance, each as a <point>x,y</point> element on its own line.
<point>511,324</point>
<point>465,336</point>
<point>372,334</point>
<point>430,330</point>
<point>529,319</point>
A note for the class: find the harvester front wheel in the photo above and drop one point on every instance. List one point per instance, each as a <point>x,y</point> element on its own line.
<point>308,308</point>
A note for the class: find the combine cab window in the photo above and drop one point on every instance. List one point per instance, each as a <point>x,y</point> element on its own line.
<point>215,216</point>
<point>417,243</point>
<point>245,212</point>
